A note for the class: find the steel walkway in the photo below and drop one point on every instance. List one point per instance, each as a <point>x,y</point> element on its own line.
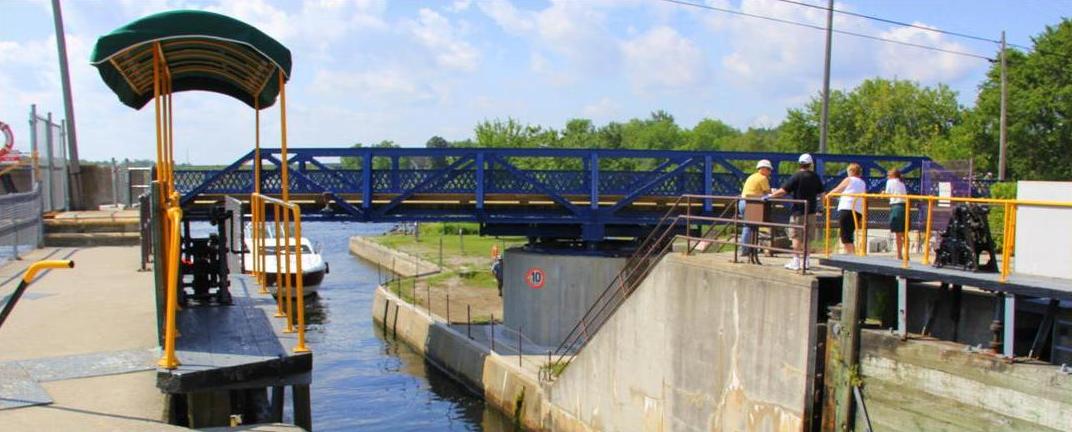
<point>506,191</point>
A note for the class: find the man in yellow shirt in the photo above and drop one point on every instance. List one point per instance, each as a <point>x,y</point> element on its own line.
<point>756,186</point>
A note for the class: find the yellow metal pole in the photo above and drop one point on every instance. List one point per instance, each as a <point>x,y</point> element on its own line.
<point>278,270</point>
<point>257,146</point>
<point>826,214</point>
<point>907,243</point>
<point>863,233</point>
<point>159,136</point>
<point>32,270</point>
<point>301,287</point>
<point>927,234</point>
<point>169,137</point>
<point>283,136</point>
<point>289,293</point>
<point>169,361</point>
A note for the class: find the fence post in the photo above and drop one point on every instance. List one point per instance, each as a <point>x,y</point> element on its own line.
<point>469,321</point>
<point>461,242</point>
<point>448,310</point>
<point>519,328</point>
<point>492,332</point>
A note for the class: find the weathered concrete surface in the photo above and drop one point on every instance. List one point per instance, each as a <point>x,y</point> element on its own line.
<point>701,345</point>
<point>937,385</point>
<point>102,305</point>
<point>546,315</point>
<point>391,260</point>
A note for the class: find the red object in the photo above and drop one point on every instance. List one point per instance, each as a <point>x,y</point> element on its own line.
<point>8,152</point>
<point>535,277</point>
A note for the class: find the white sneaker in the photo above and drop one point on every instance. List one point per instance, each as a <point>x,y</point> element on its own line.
<point>793,264</point>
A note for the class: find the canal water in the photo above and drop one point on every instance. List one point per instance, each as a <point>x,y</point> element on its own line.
<point>362,379</point>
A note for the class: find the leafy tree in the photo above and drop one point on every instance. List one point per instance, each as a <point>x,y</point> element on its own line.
<point>709,134</point>
<point>437,162</point>
<point>1039,107</point>
<point>879,116</point>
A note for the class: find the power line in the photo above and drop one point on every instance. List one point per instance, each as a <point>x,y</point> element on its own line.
<point>895,22</point>
<point>817,27</point>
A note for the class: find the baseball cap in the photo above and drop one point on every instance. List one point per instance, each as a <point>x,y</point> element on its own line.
<point>764,164</point>
<point>805,159</point>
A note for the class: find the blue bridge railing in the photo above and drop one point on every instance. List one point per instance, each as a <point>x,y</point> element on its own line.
<point>382,185</point>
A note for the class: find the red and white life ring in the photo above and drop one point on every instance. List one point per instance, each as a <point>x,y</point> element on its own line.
<point>8,152</point>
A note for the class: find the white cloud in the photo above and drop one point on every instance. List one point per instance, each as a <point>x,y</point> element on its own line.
<point>602,110</point>
<point>904,61</point>
<point>662,58</point>
<point>384,84</point>
<point>436,33</point>
<point>785,62</point>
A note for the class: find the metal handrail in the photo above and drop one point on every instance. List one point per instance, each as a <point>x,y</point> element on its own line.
<point>27,279</point>
<point>286,290</point>
<point>579,332</point>
<point>732,203</point>
<point>1009,222</point>
<point>171,276</point>
<point>639,265</point>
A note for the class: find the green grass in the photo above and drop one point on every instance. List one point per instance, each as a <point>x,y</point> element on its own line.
<point>553,369</point>
<point>476,250</point>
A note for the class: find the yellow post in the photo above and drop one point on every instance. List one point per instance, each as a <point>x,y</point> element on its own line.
<point>301,287</point>
<point>283,137</point>
<point>289,293</point>
<point>159,135</point>
<point>908,217</point>
<point>863,249</point>
<point>278,274</point>
<point>927,234</point>
<point>826,213</point>
<point>169,361</point>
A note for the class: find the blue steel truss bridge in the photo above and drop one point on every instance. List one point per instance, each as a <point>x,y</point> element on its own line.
<point>590,195</point>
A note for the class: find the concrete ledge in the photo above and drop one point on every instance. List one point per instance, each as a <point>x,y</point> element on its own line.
<point>69,239</point>
<point>505,386</point>
<point>401,263</point>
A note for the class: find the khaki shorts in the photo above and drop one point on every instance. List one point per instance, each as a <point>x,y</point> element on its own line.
<point>797,233</point>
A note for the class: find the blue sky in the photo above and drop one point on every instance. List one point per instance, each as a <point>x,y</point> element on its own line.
<point>368,70</point>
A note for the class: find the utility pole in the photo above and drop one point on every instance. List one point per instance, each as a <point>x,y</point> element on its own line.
<point>826,77</point>
<point>1003,134</point>
<point>75,174</point>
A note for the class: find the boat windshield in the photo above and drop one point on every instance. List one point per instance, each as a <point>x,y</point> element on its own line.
<point>270,250</point>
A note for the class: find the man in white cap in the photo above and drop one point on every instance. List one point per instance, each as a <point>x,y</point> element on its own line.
<point>756,185</point>
<point>804,185</point>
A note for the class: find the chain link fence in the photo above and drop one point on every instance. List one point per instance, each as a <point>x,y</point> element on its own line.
<point>20,223</point>
<point>48,141</point>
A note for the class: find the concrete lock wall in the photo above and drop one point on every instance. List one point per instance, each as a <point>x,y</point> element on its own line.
<point>699,346</point>
<point>571,283</point>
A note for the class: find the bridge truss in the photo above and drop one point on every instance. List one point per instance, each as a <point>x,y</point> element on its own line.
<point>599,194</point>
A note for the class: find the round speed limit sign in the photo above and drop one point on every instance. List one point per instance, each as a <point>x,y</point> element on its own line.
<point>535,278</point>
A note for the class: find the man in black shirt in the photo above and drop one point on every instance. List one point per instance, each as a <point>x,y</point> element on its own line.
<point>804,185</point>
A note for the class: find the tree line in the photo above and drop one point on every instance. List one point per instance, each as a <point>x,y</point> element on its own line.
<point>879,116</point>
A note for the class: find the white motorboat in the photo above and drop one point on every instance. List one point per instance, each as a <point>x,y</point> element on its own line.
<point>313,265</point>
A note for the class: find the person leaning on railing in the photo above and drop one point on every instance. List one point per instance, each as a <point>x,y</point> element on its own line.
<point>895,186</point>
<point>756,185</point>
<point>850,209</point>
<point>804,185</point>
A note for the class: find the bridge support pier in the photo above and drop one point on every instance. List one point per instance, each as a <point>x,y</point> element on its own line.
<point>547,290</point>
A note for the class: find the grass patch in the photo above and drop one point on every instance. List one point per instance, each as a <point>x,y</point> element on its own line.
<point>553,369</point>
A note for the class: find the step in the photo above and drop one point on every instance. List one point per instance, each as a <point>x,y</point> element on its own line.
<point>71,225</point>
<point>66,239</point>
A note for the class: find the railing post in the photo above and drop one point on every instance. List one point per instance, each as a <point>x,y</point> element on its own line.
<point>492,322</point>
<point>806,240</point>
<point>866,242</point>
<point>826,233</point>
<point>519,328</point>
<point>479,180</point>
<point>907,222</point>
<point>469,321</point>
<point>688,224</point>
<point>707,185</point>
<point>278,268</point>
<point>298,275</point>
<point>927,234</point>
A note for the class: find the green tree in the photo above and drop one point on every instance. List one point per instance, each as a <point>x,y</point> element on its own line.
<point>439,143</point>
<point>879,116</point>
<point>1039,107</point>
<point>709,134</point>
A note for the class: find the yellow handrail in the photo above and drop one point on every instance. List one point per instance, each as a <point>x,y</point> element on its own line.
<point>285,213</point>
<point>1009,222</point>
<point>48,264</point>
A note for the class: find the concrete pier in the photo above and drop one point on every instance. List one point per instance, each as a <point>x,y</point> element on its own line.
<point>79,348</point>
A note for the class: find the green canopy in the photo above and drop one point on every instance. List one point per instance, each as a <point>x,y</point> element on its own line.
<point>202,50</point>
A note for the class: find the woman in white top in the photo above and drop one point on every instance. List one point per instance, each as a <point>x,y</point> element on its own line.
<point>850,209</point>
<point>894,186</point>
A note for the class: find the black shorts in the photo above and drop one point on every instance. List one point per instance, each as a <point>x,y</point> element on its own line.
<point>847,223</point>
